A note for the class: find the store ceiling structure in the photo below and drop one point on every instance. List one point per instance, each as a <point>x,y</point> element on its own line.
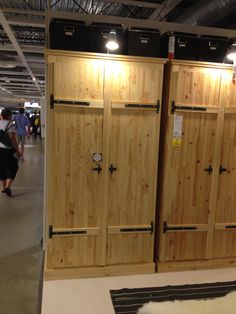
<point>25,23</point>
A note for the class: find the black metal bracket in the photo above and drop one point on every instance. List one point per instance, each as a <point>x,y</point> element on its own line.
<point>143,106</point>
<point>221,169</point>
<point>51,101</point>
<point>98,169</point>
<point>179,228</point>
<point>66,233</point>
<point>148,229</point>
<point>66,102</point>
<point>71,102</point>
<point>230,227</point>
<point>209,169</point>
<point>112,169</point>
<point>178,107</point>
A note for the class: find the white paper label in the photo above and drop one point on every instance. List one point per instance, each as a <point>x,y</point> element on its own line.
<point>177,130</point>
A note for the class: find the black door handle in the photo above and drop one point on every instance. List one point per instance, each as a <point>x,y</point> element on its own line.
<point>209,169</point>
<point>98,169</point>
<point>221,169</point>
<point>112,169</point>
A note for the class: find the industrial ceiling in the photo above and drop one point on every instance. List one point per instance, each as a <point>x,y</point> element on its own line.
<point>25,24</point>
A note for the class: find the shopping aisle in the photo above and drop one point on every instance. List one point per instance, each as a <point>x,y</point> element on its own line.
<point>20,235</point>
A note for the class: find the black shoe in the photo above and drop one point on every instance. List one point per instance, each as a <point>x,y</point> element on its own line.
<point>4,191</point>
<point>8,191</point>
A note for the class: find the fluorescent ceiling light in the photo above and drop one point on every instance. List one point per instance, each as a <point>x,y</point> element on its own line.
<point>7,66</point>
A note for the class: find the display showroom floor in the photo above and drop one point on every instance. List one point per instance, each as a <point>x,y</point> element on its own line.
<point>91,296</point>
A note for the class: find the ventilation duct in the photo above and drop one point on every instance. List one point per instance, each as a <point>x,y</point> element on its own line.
<point>206,13</point>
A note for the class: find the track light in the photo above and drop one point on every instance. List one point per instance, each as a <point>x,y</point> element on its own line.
<point>112,43</point>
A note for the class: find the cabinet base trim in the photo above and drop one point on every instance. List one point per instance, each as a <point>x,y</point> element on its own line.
<point>99,271</point>
<point>195,265</point>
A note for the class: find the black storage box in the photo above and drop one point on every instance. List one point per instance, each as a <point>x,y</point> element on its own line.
<point>212,48</point>
<point>143,42</point>
<point>185,46</point>
<point>68,35</point>
<point>98,36</point>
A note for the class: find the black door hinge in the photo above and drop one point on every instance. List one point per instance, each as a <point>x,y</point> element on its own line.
<point>177,228</point>
<point>221,169</point>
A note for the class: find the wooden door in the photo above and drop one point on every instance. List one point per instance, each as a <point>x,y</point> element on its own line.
<point>75,207</point>
<point>188,163</point>
<point>134,139</point>
<point>224,244</point>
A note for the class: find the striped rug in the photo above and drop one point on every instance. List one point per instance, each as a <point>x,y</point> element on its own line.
<point>128,301</point>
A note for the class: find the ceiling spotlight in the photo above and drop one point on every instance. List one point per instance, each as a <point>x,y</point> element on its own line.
<point>231,55</point>
<point>112,43</point>
<point>34,79</point>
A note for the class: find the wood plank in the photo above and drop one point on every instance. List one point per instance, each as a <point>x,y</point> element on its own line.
<point>196,265</point>
<point>226,226</point>
<point>87,272</point>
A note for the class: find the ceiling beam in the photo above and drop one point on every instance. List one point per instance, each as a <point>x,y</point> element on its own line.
<point>17,47</point>
<point>166,7</point>
<point>142,4</point>
<point>37,65</point>
<point>23,11</point>
<point>25,21</point>
<point>24,48</point>
<point>162,26</point>
<point>12,79</point>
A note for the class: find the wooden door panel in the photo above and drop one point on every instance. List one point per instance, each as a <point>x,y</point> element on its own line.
<point>225,239</point>
<point>129,248</point>
<point>187,187</point>
<point>224,244</point>
<point>226,197</point>
<point>196,86</point>
<point>134,152</point>
<point>77,189</point>
<point>180,246</point>
<point>81,79</point>
<point>132,187</point>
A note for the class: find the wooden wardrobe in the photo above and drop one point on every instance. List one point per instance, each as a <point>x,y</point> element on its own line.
<point>103,120</point>
<point>197,169</point>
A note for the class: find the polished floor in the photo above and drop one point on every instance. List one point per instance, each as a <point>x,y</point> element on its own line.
<point>20,235</point>
<point>91,296</point>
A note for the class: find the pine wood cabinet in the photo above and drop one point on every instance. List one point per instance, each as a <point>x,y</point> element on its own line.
<point>197,170</point>
<point>102,156</point>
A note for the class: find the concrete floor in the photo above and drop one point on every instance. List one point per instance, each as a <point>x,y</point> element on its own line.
<point>20,235</point>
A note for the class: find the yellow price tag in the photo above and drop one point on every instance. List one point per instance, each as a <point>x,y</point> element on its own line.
<point>176,142</point>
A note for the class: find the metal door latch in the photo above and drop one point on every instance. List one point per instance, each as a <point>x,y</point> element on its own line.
<point>221,169</point>
<point>209,169</point>
<point>98,169</point>
<point>112,169</point>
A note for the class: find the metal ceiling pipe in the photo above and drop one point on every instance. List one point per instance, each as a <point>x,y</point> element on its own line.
<point>207,12</point>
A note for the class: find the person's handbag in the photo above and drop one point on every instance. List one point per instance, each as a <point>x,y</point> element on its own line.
<point>4,136</point>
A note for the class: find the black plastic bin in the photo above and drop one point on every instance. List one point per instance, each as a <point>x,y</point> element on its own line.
<point>212,48</point>
<point>185,46</point>
<point>68,35</point>
<point>143,42</point>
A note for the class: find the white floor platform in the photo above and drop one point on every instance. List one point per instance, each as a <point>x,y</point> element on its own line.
<point>91,296</point>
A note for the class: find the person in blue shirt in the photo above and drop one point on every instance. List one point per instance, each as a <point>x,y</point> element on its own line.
<point>22,124</point>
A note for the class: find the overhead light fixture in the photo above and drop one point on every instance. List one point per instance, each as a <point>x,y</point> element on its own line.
<point>7,66</point>
<point>231,55</point>
<point>112,43</point>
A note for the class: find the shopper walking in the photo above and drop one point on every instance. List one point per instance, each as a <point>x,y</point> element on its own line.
<point>9,152</point>
<point>22,128</point>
